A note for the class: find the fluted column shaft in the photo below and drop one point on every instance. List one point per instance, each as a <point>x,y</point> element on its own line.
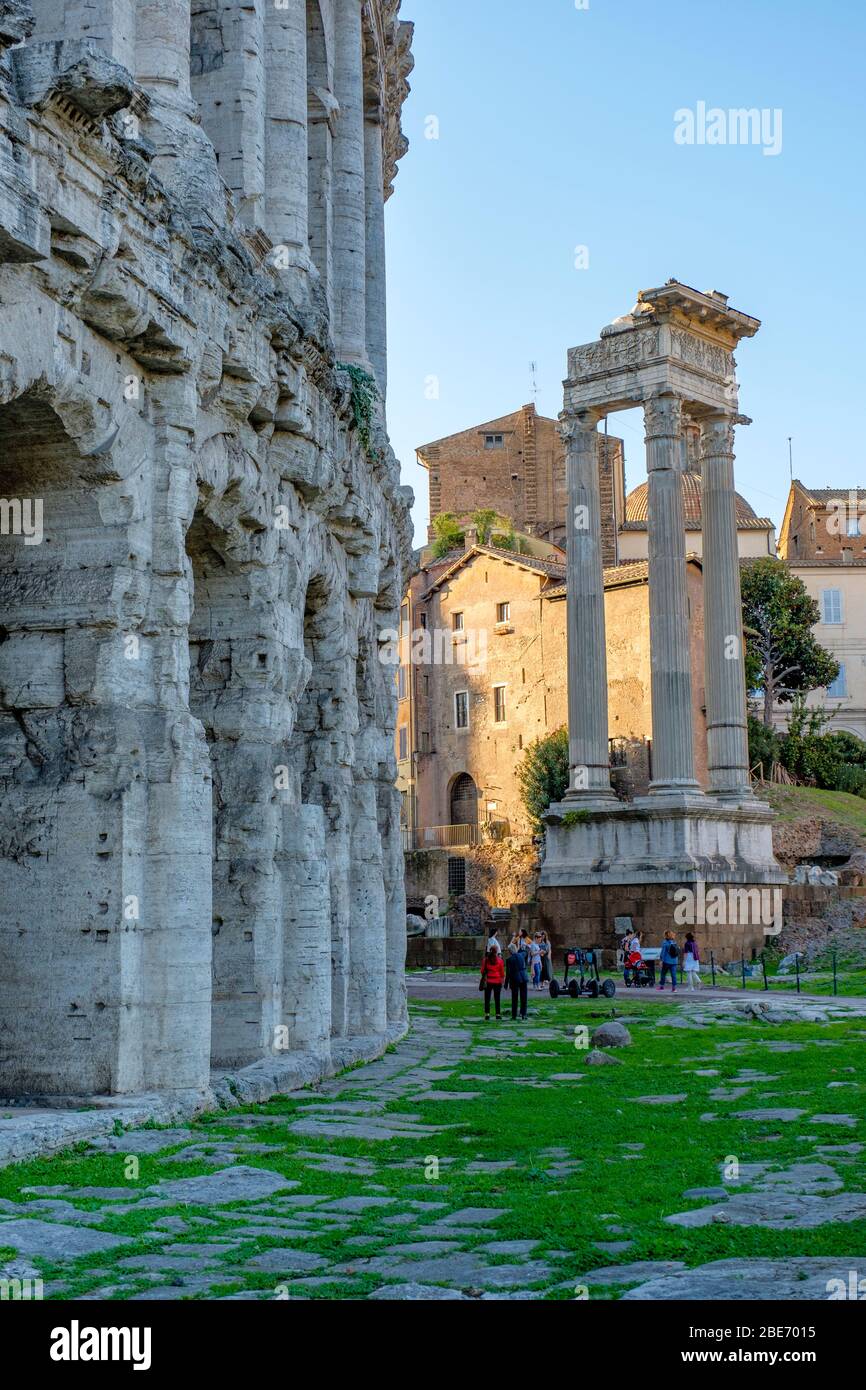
<point>670,650</point>
<point>286,178</point>
<point>724,656</point>
<point>376,293</point>
<point>589,755</point>
<point>108,23</point>
<point>349,256</point>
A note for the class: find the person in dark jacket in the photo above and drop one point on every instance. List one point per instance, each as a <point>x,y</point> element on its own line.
<point>492,980</point>
<point>518,980</point>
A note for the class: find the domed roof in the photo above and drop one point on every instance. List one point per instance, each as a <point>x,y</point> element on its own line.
<point>636,506</point>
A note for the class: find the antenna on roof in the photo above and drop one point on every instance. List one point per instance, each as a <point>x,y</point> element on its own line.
<point>791,456</point>
<point>533,378</point>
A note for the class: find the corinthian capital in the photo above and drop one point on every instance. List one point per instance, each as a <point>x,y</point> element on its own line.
<point>717,434</point>
<point>574,426</point>
<point>663,417</point>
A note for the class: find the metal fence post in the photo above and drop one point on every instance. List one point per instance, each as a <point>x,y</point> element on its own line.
<point>797,964</point>
<point>764,968</point>
<point>835,974</point>
<point>743,963</point>
<point>713,967</point>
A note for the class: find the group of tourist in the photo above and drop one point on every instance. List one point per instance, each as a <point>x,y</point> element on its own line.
<point>529,959</point>
<point>669,960</point>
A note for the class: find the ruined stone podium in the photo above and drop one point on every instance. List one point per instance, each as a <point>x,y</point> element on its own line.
<point>605,859</point>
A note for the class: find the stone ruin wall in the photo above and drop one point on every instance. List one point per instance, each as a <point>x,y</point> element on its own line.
<point>200,860</point>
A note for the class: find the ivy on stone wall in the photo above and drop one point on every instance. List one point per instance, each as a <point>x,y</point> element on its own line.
<point>364,396</point>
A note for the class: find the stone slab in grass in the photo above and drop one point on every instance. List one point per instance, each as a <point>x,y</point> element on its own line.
<point>56,1210</point>
<point>218,1154</point>
<point>421,1293</point>
<point>491,1166</point>
<point>706,1194</point>
<point>167,1264</point>
<point>238,1184</point>
<point>630,1273</point>
<point>52,1240</point>
<point>356,1204</point>
<point>839,1149</point>
<point>142,1141</point>
<point>613,1247</point>
<point>777,1212</point>
<point>849,1121</point>
<point>472,1216</point>
<point>286,1261</point>
<point>425,1248</point>
<point>337,1163</point>
<point>729,1092</point>
<point>783,1116</point>
<point>661,1100</point>
<point>449,1095</point>
<point>362,1129</point>
<point>796,1278</point>
<point>465,1270</point>
<point>515,1248</point>
<point>104,1194</point>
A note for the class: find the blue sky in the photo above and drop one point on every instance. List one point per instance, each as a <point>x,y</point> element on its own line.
<point>556,130</point>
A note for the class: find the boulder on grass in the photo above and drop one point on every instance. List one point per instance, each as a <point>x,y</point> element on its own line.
<point>611,1035</point>
<point>601,1059</point>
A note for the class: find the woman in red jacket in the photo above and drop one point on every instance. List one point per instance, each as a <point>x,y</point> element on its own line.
<point>492,980</point>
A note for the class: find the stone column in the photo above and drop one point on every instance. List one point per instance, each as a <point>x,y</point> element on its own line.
<point>376,297</point>
<point>162,48</point>
<point>349,257</point>
<point>110,24</point>
<point>672,713</point>
<point>727,734</point>
<point>228,84</point>
<point>286,180</point>
<point>589,755</point>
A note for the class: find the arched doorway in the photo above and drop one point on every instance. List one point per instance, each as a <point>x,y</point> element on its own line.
<point>464,801</point>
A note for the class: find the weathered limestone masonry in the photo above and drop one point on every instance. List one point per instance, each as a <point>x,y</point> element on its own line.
<point>672,355</point>
<point>200,862</point>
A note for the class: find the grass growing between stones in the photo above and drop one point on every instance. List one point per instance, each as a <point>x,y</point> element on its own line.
<point>468,1137</point>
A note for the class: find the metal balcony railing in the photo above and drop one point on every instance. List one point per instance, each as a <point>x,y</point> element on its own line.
<point>451,836</point>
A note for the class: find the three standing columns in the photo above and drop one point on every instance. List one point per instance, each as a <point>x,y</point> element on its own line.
<point>727,732</point>
<point>670,646</point>
<point>589,752</point>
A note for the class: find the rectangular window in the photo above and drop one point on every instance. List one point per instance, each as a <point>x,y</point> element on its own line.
<point>461,709</point>
<point>853,526</point>
<point>404,620</point>
<point>503,612</point>
<point>456,622</point>
<point>831,605</point>
<point>403,738</point>
<point>456,877</point>
<point>499,704</point>
<point>494,441</point>
<point>424,621</point>
<point>402,683</point>
<point>839,688</point>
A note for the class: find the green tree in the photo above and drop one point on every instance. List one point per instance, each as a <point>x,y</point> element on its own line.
<point>484,521</point>
<point>543,774</point>
<point>449,536</point>
<point>783,659</point>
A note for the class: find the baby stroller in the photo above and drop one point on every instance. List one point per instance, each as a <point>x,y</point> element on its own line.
<point>639,973</point>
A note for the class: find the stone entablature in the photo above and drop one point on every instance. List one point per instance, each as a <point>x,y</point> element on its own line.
<point>199,836</point>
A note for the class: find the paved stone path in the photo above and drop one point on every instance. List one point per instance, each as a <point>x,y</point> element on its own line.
<point>240,1230</point>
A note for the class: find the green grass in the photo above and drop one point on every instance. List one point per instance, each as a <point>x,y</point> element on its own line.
<point>798,803</point>
<point>593,1121</point>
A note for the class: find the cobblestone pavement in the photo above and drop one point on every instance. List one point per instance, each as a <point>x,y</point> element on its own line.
<point>384,1183</point>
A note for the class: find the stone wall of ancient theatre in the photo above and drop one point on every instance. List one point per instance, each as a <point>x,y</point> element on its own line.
<point>203,538</point>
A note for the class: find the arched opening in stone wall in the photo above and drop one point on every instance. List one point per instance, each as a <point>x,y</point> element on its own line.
<point>67,957</point>
<point>464,800</point>
<point>321,108</point>
<point>225,659</point>
<point>320,756</point>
